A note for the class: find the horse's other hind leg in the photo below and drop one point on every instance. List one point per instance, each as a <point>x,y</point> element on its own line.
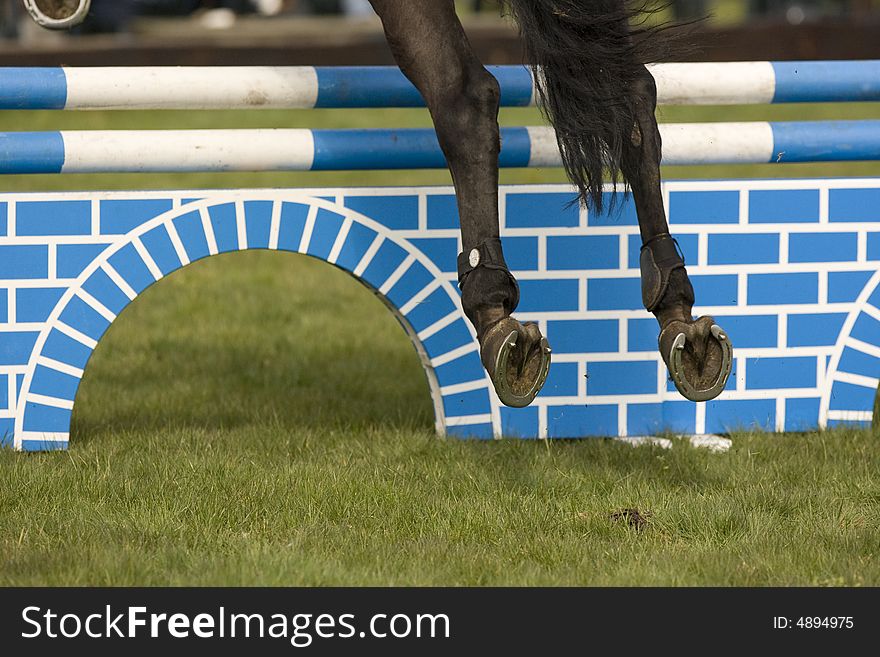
<point>432,50</point>
<point>697,353</point>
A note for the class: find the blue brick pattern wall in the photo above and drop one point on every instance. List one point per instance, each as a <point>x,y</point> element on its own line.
<point>789,268</point>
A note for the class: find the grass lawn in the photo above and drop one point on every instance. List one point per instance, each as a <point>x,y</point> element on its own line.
<point>209,450</point>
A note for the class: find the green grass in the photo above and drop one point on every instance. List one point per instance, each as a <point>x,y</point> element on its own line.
<point>300,450</point>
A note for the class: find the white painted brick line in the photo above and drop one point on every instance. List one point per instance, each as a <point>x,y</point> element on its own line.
<point>53,262</point>
<point>208,227</point>
<point>339,243</point>
<point>96,305</point>
<point>423,213</point>
<point>582,378</point>
<point>397,274</point>
<point>65,240</point>
<point>862,246</point>
<point>868,309</point>
<point>469,386</point>
<point>742,288</point>
<point>448,233</point>
<point>10,305</point>
<point>308,229</point>
<point>783,247</point>
<point>543,423</point>
<point>542,253</point>
<point>755,309</point>
<point>623,336</point>
<point>780,414</point>
<point>823,288</point>
<point>744,352</point>
<point>771,268</point>
<point>10,218</point>
<point>864,347</point>
<point>464,420</point>
<point>851,416</point>
<point>700,423</point>
<point>12,392</point>
<point>71,332</point>
<point>857,380</point>
<point>743,207</point>
<point>621,420</point>
<point>46,437</point>
<point>177,243</point>
<point>147,258</point>
<point>824,205</point>
<point>58,366</point>
<point>568,231</point>
<point>782,330</point>
<point>419,297</point>
<point>120,282</point>
<point>654,398</point>
<point>439,325</point>
<point>673,395</point>
<point>96,217</point>
<point>50,401</point>
<point>450,356</point>
<point>241,225</point>
<point>582,295</point>
<point>740,365</point>
<point>368,256</point>
<point>623,253</point>
<point>703,247</point>
<point>275,225</point>
<point>37,283</point>
<point>22,326</point>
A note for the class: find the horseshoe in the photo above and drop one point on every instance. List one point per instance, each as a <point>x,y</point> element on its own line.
<point>502,386</point>
<point>676,371</point>
<point>45,20</point>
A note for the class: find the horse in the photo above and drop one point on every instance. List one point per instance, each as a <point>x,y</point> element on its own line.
<point>589,63</point>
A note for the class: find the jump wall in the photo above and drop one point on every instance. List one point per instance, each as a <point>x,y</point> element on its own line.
<point>789,268</point>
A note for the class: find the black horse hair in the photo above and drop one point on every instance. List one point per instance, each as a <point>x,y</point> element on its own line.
<point>586,56</point>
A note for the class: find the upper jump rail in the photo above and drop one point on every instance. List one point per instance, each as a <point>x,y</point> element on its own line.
<point>307,87</point>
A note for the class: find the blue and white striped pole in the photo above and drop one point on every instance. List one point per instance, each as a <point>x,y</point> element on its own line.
<point>263,87</point>
<point>134,151</point>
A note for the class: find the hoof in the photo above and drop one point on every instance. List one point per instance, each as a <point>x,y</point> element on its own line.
<point>58,14</point>
<point>517,358</point>
<point>699,356</point>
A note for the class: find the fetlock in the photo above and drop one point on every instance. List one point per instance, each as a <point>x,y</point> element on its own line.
<point>489,292</point>
<point>516,356</point>
<point>666,289</point>
<point>678,300</point>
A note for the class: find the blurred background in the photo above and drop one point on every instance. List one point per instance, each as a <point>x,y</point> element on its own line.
<point>334,32</point>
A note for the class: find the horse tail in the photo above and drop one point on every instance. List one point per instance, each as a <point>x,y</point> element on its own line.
<point>586,57</point>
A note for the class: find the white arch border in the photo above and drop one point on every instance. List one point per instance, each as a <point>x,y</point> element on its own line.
<point>224,197</point>
<point>858,307</point>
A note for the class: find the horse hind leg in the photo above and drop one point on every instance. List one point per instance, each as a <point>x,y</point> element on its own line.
<point>432,50</point>
<point>697,353</point>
